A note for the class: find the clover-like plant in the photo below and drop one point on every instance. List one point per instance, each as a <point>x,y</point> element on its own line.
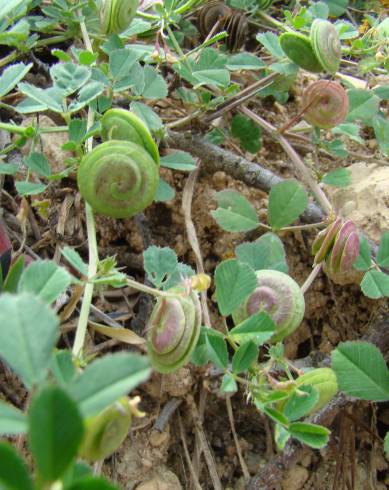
<point>324,104</point>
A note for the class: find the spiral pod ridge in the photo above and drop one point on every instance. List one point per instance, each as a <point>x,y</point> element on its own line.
<point>280,297</point>
<point>234,22</point>
<point>326,104</point>
<point>117,15</point>
<point>118,178</point>
<point>173,329</point>
<point>119,124</point>
<point>326,45</point>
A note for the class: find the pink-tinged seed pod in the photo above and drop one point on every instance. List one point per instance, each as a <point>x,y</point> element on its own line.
<point>325,104</point>
<point>278,295</point>
<point>324,240</point>
<point>345,250</point>
<point>173,329</point>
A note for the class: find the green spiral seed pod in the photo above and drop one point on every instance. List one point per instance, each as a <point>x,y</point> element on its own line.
<point>298,48</point>
<point>173,329</point>
<point>106,431</point>
<point>119,124</point>
<point>117,15</point>
<point>278,295</point>
<point>118,178</point>
<point>326,45</point>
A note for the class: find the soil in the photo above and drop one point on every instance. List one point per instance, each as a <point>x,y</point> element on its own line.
<point>153,456</point>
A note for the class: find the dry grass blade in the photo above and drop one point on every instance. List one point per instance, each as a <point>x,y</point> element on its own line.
<point>193,474</point>
<point>242,462</point>
<point>192,236</point>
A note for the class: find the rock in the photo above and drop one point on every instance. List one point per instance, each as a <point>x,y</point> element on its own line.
<point>163,479</point>
<point>366,200</point>
<point>51,143</point>
<point>295,478</point>
<point>158,438</point>
<point>178,383</point>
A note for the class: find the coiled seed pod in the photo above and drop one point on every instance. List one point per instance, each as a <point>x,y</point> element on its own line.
<point>321,51</point>
<point>279,296</point>
<point>346,249</point>
<point>236,27</point>
<point>298,48</point>
<point>324,380</point>
<point>106,431</point>
<point>324,240</point>
<point>326,44</point>
<point>117,15</point>
<point>234,22</point>
<point>118,178</point>
<point>119,124</point>
<point>173,329</point>
<point>337,245</point>
<point>209,14</point>
<point>326,104</point>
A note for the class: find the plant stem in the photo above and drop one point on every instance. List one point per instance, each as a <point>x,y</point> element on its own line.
<point>299,164</point>
<point>185,7</point>
<point>312,276</point>
<point>139,13</point>
<point>43,42</point>
<point>91,234</point>
<point>88,292</point>
<point>12,128</point>
<point>146,289</point>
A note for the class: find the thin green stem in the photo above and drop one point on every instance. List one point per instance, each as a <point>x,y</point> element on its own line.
<point>146,289</point>
<point>177,47</point>
<point>139,13</point>
<point>273,21</point>
<point>9,58</point>
<point>12,128</point>
<point>88,293</point>
<point>57,129</point>
<point>91,233</point>
<point>43,42</point>
<point>185,7</point>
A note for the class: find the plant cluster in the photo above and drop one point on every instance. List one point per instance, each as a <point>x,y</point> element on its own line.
<point>78,407</point>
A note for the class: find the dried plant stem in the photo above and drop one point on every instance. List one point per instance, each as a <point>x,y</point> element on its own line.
<point>312,276</point>
<point>298,163</point>
<point>252,174</point>
<point>193,474</point>
<point>192,236</point>
<point>241,97</point>
<point>242,462</point>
